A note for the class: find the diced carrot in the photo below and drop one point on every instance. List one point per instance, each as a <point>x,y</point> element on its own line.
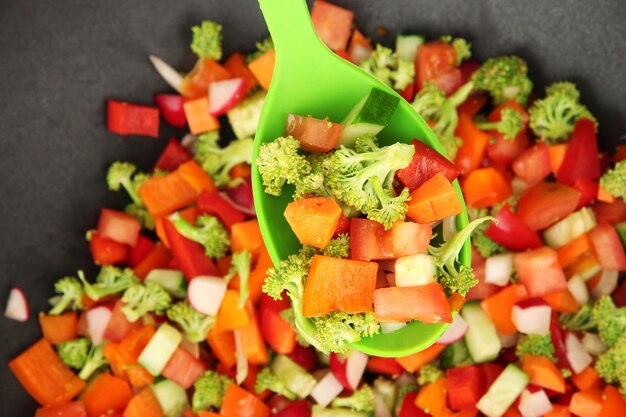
<point>557,154</point>
<point>336,284</point>
<point>559,410</point>
<point>236,65</point>
<point>573,250</point>
<point>432,397</point>
<point>253,344</point>
<point>258,275</point>
<point>586,403</point>
<point>582,265</point>
<point>358,39</point>
<point>158,257</point>
<point>587,379</point>
<point>190,214</point>
<point>208,414</point>
<point>198,117</point>
<point>313,220</point>
<point>415,361</point>
<point>499,307</point>
<point>246,235</point>
<point>543,372</point>
<point>44,376</point>
<point>223,347</point>
<point>72,409</point>
<point>241,170</point>
<point>197,177</point>
<point>237,399</point>
<point>434,200</point>
<point>263,68</point>
<point>59,329</point>
<point>106,394</point>
<point>196,83</point>
<point>395,304</point>
<point>562,301</point>
<point>614,404</point>
<point>605,196</point>
<point>163,194</point>
<point>230,316</point>
<point>472,150</point>
<point>485,187</point>
<point>122,357</point>
<point>144,404</point>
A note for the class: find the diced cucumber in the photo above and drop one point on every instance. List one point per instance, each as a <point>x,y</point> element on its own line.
<point>503,392</point>
<point>297,379</point>
<point>414,270</point>
<point>481,338</point>
<point>371,114</point>
<point>406,46</point>
<point>172,281</point>
<point>571,227</point>
<point>160,349</point>
<point>318,411</point>
<point>171,397</point>
<point>455,354</point>
<point>387,390</point>
<point>244,117</point>
<point>621,231</point>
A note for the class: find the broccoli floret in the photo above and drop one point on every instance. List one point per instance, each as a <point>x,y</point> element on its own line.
<point>510,124</point>
<point>209,391</point>
<point>240,265</point>
<point>385,65</point>
<point>111,280</point>
<point>74,353</point>
<point>582,320</point>
<point>429,373</point>
<point>553,118</point>
<point>314,182</point>
<point>207,40</point>
<point>610,320</point>
<point>338,247</point>
<point>141,213</point>
<point>611,365</point>
<point>364,180</point>
<point>462,48</point>
<point>483,244</point>
<point>504,78</point>
<point>218,161</point>
<point>268,380</point>
<point>614,180</point>
<point>262,47</point>
<point>535,344</point>
<point>337,330</point>
<point>71,291</point>
<point>363,399</point>
<point>433,105</point>
<point>455,277</point>
<point>95,360</point>
<point>141,299</point>
<point>280,163</point>
<point>209,232</point>
<point>123,175</point>
<point>195,324</point>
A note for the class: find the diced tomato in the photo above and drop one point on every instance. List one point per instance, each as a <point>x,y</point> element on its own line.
<point>275,330</point>
<point>183,368</point>
<point>118,226</point>
<point>141,249</point>
<point>369,240</point>
<point>105,251</point>
<point>172,156</point>
<point>608,247</point>
<point>396,304</point>
<point>119,326</point>
<point>171,108</point>
<point>436,62</point>
<point>619,296</point>
<point>546,203</point>
<point>343,226</point>
<point>295,409</point>
<point>306,357</point>
<point>73,409</point>
<point>509,231</point>
<point>465,387</point>
<point>483,289</point>
<point>132,119</point>
<point>409,409</point>
<point>611,212</point>
<point>533,165</point>
<point>425,164</point>
<point>196,83</point>
<point>540,272</point>
<point>386,366</point>
<point>504,150</point>
<point>581,159</point>
<point>214,204</point>
<point>314,135</point>
<point>333,24</point>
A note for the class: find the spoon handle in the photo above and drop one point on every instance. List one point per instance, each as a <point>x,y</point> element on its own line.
<point>291,28</point>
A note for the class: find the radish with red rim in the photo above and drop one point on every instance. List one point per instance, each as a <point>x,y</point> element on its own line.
<point>97,320</point>
<point>327,389</point>
<point>577,356</point>
<point>225,94</point>
<point>206,294</point>
<point>17,305</point>
<point>534,402</point>
<point>456,331</point>
<point>349,369</point>
<point>532,316</point>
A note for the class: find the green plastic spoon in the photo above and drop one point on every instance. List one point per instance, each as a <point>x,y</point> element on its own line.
<point>309,79</point>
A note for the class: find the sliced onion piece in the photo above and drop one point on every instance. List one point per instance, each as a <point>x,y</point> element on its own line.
<point>242,361</point>
<point>576,285</point>
<point>593,344</point>
<point>169,74</point>
<point>391,327</point>
<point>326,390</point>
<point>606,285</point>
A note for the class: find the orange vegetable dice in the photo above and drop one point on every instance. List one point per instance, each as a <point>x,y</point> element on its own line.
<point>198,117</point>
<point>434,200</point>
<point>313,220</point>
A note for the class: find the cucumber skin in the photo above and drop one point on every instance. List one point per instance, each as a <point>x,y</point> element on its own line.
<point>455,354</point>
<point>160,349</point>
<point>297,379</point>
<point>171,397</point>
<point>482,337</point>
<point>503,392</point>
<point>171,280</point>
<point>406,46</point>
<point>369,116</point>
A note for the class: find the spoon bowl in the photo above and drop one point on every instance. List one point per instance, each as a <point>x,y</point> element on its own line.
<point>310,79</point>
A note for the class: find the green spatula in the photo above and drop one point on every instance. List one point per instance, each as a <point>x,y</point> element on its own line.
<point>309,79</point>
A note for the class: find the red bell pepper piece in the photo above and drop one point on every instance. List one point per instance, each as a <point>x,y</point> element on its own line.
<point>588,191</point>
<point>491,371</point>
<point>118,226</point>
<point>132,119</point>
<point>465,387</point>
<point>295,409</point>
<point>467,69</point>
<point>581,159</point>
<point>189,255</point>
<point>306,357</point>
<point>425,164</point>
<point>214,204</point>
<point>619,296</point>
<point>171,108</point>
<point>409,92</point>
<point>409,409</point>
<point>436,62</point>
<point>557,333</point>
<point>385,366</point>
<point>141,249</point>
<point>509,231</point>
<point>105,251</point>
<point>275,330</point>
<point>333,24</point>
<point>343,226</point>
<point>172,156</point>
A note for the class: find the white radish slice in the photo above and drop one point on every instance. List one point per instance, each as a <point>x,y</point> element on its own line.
<point>225,94</point>
<point>242,361</point>
<point>206,294</point>
<point>593,344</point>
<point>576,285</point>
<point>360,53</point>
<point>606,285</point>
<point>391,327</point>
<point>326,390</point>
<point>17,305</point>
<point>532,316</point>
<point>498,269</point>
<point>577,356</point>
<point>169,74</point>
<point>350,369</point>
<point>534,403</point>
<point>509,340</point>
<point>97,321</point>
<point>456,331</point>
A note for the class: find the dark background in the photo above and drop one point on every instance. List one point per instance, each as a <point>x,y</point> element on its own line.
<point>60,60</point>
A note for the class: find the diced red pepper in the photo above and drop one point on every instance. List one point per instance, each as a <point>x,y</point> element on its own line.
<point>465,387</point>
<point>509,231</point>
<point>581,159</point>
<point>425,164</point>
<point>611,212</point>
<point>491,371</point>
<point>385,366</point>
<point>132,119</point>
<point>171,108</point>
<point>409,92</point>
<point>105,251</point>
<point>557,334</point>
<point>299,408</point>
<point>214,204</point>
<point>173,156</point>
<point>306,357</point>
<point>588,191</point>
<point>275,330</point>
<point>343,226</point>
<point>409,409</point>
<point>505,151</point>
<point>190,255</point>
<point>141,249</point>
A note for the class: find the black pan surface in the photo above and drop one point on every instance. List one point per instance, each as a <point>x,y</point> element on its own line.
<point>60,60</point>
